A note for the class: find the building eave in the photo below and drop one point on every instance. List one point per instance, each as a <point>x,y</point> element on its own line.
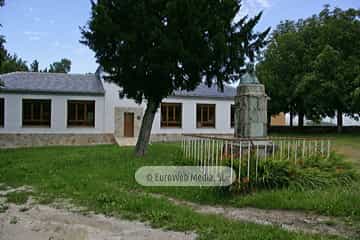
<point>202,97</point>
<point>41,92</point>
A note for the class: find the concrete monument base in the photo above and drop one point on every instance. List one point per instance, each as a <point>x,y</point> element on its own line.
<point>251,111</point>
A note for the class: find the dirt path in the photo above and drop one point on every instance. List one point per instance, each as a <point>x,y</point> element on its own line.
<point>289,220</point>
<point>32,221</point>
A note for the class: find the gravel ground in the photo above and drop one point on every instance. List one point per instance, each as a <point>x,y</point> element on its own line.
<point>33,221</point>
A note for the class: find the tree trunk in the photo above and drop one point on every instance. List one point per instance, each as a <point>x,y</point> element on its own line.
<point>301,119</point>
<point>291,119</point>
<point>339,121</point>
<point>145,130</point>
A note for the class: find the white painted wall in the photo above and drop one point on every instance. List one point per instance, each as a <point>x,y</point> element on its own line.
<point>223,108</point>
<point>104,114</point>
<point>13,114</point>
<point>112,100</point>
<point>222,117</point>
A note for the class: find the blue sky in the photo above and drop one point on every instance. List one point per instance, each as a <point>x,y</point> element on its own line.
<point>48,30</point>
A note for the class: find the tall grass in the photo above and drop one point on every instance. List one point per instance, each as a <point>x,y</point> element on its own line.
<point>314,172</point>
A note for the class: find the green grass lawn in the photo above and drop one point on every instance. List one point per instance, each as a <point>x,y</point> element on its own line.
<point>102,178</point>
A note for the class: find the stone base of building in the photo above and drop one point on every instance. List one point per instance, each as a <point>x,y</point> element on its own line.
<point>165,137</point>
<point>37,140</point>
<point>179,137</point>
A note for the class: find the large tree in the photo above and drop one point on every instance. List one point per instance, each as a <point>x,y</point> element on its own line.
<point>281,67</point>
<point>316,63</point>
<point>152,47</point>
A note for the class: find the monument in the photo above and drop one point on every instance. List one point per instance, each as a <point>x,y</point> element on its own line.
<point>250,108</point>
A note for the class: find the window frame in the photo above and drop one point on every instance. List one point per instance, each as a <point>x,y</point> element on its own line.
<point>85,123</point>
<point>167,122</point>
<point>232,115</point>
<point>32,122</point>
<point>2,112</point>
<point>200,122</point>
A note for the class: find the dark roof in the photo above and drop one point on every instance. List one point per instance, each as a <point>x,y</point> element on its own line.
<point>204,91</point>
<point>55,83</point>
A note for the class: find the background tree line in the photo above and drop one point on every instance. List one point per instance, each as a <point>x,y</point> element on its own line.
<point>312,66</point>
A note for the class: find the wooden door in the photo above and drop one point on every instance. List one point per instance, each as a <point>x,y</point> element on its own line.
<point>128,124</point>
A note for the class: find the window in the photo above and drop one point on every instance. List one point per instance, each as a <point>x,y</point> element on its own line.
<point>171,115</point>
<point>232,116</point>
<point>205,115</point>
<point>36,112</point>
<point>81,114</point>
<point>2,112</point>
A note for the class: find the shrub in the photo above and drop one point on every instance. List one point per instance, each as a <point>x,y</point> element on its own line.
<point>311,173</point>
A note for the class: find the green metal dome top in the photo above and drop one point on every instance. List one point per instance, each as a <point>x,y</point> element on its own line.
<point>249,78</point>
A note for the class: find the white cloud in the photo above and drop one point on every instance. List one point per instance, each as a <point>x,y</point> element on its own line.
<point>264,3</point>
<point>33,36</point>
<point>253,7</point>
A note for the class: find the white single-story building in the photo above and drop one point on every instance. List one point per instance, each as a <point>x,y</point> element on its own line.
<point>73,109</point>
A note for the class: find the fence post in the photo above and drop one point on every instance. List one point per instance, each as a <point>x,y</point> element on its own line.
<point>265,149</point>
<point>221,150</point>
<point>209,153</point>
<point>195,150</point>
<point>213,152</point>
<point>303,150</point>
<point>186,147</point>
<point>240,158</point>
<point>248,165</point>
<point>226,148</point>
<point>231,159</point>
<point>289,149</point>
<point>257,161</point>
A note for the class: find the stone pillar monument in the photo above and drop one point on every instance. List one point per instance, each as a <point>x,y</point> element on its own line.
<point>250,108</point>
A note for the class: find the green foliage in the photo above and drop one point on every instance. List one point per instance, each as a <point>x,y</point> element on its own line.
<point>13,63</point>
<point>312,66</point>
<point>152,48</point>
<point>17,197</point>
<point>34,66</point>
<point>63,66</point>
<point>96,176</point>
<point>315,172</point>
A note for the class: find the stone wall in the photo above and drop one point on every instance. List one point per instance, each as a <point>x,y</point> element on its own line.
<point>178,137</point>
<point>36,140</point>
